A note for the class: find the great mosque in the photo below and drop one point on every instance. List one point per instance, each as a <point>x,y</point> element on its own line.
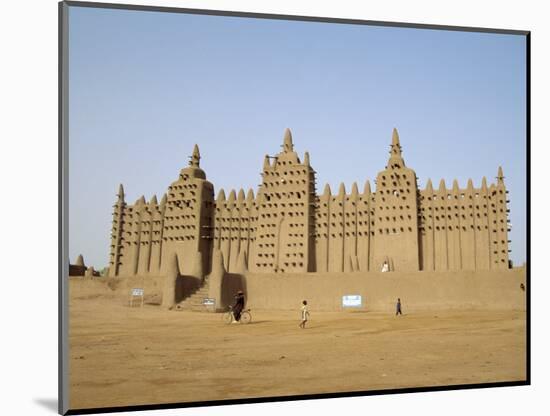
<point>287,227</point>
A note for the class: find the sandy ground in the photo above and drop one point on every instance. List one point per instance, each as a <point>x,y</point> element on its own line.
<point>129,356</point>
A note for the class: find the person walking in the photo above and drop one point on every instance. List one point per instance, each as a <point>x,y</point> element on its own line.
<point>305,314</point>
<point>398,308</point>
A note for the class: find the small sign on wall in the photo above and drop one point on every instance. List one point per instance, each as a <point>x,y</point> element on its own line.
<point>136,292</point>
<point>209,301</point>
<point>352,301</point>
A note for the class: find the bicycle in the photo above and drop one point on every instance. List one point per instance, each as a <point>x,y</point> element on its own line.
<point>229,318</point>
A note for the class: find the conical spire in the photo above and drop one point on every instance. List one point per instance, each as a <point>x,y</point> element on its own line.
<point>429,186</point>
<point>354,189</point>
<point>80,261</point>
<point>500,176</point>
<point>396,159</point>
<point>153,200</point>
<point>342,189</point>
<point>484,184</point>
<point>221,196</point>
<point>455,187</point>
<point>232,196</point>
<point>442,187</point>
<point>141,200</point>
<point>250,196</point>
<point>306,159</point>
<point>120,194</point>
<point>288,146</point>
<point>326,191</point>
<point>240,196</point>
<point>395,138</point>
<point>367,190</point>
<point>163,200</point>
<point>470,186</point>
<point>195,157</point>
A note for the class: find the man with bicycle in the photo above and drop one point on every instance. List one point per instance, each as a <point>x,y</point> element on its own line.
<point>238,306</point>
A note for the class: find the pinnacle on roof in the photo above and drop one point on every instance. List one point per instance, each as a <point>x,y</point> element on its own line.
<point>354,189</point>
<point>288,146</point>
<point>120,192</point>
<point>195,157</point>
<point>442,186</point>
<point>153,200</point>
<point>250,195</point>
<point>240,196</point>
<point>484,183</point>
<point>455,186</point>
<point>79,260</point>
<point>395,138</point>
<point>326,191</point>
<point>470,186</point>
<point>396,159</point>
<point>221,196</point>
<point>429,186</point>
<point>232,196</point>
<point>367,190</point>
<point>500,175</point>
<point>163,200</point>
<point>306,158</point>
<point>341,189</point>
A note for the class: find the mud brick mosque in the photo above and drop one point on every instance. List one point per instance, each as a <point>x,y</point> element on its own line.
<point>288,228</point>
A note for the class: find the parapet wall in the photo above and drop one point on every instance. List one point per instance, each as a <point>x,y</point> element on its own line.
<point>417,290</point>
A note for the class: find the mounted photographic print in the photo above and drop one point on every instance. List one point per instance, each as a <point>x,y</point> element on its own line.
<point>267,208</point>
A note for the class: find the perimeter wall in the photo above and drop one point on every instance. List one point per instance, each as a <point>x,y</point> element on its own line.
<point>490,289</point>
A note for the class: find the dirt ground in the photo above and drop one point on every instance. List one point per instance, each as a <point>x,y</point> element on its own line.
<point>130,356</point>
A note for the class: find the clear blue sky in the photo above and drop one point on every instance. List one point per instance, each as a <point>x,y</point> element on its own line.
<point>145,86</point>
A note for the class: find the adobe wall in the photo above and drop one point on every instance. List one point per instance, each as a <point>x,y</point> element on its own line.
<point>418,290</point>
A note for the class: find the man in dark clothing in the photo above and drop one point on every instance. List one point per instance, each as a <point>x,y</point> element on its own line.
<point>398,308</point>
<point>239,305</point>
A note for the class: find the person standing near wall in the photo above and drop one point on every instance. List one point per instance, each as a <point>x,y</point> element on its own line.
<point>398,307</point>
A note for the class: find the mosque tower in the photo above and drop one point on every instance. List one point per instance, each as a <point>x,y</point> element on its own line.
<point>188,219</point>
<point>396,227</point>
<point>284,236</point>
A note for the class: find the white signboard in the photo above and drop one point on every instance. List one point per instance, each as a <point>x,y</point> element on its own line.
<point>352,301</point>
<point>208,301</point>
<point>137,292</point>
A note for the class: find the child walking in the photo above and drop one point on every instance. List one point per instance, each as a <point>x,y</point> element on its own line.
<point>305,314</point>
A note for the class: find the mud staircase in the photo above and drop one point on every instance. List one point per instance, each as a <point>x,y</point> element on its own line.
<point>194,302</point>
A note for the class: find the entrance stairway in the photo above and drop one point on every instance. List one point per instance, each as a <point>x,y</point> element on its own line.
<point>194,302</point>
